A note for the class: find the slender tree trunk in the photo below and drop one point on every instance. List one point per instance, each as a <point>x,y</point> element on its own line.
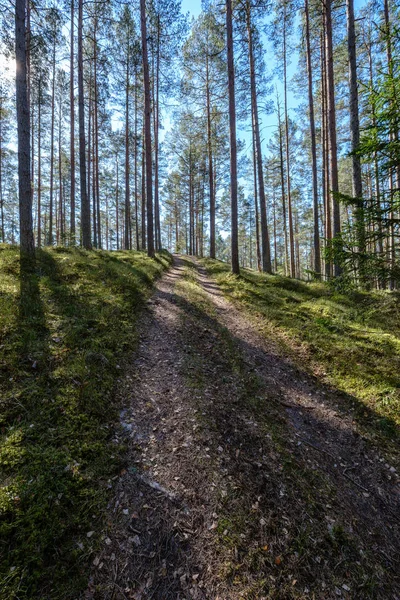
<point>283,191</point>
<point>85,201</point>
<point>143,193</point>
<point>275,237</point>
<point>117,200</point>
<point>91,190</point>
<point>3,239</point>
<point>233,144</point>
<point>325,159</point>
<point>27,244</point>
<point>60,181</point>
<point>316,245</point>
<point>376,163</point>
<point>96,167</point>
<point>355,139</point>
<point>50,239</point>
<point>393,136</point>
<point>39,181</point>
<point>333,167</point>
<point>156,143</point>
<point>127,165</point>
<point>136,163</point>
<point>210,163</point>
<point>258,248</point>
<point>147,127</point>
<point>287,151</point>
<point>72,128</point>
<point>265,246</point>
<point>107,224</point>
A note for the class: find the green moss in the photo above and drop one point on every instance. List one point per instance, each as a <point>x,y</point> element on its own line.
<point>351,342</point>
<point>62,344</point>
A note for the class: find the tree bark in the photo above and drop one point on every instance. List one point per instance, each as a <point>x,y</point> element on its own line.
<point>288,182</point>
<point>233,143</point>
<point>85,201</point>
<point>316,245</point>
<point>72,129</point>
<point>283,192</point>
<point>333,166</point>
<point>258,249</point>
<point>117,199</point>
<point>136,162</point>
<point>50,238</point>
<point>147,128</point>
<point>96,167</point>
<point>127,164</point>
<point>156,143</point>
<point>265,246</point>
<point>210,163</point>
<point>27,245</point>
<point>355,139</point>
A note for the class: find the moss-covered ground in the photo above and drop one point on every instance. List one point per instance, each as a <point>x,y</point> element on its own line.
<point>64,334</point>
<point>350,341</point>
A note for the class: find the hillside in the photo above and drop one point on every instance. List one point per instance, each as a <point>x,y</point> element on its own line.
<point>349,341</point>
<point>238,440</point>
<point>61,355</point>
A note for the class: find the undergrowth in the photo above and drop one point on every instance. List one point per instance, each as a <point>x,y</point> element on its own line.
<point>349,341</point>
<point>61,353</point>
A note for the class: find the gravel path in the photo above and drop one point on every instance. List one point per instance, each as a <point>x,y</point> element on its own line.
<point>243,478</point>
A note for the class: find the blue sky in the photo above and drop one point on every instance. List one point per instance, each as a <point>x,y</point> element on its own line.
<point>192,6</point>
<point>268,122</point>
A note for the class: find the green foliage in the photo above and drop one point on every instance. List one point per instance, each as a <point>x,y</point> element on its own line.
<point>63,333</point>
<point>351,339</point>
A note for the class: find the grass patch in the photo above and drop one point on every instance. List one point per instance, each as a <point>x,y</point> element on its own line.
<point>60,359</point>
<point>351,342</point>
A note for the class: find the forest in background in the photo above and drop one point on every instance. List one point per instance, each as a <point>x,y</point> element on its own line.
<point>317,195</point>
<point>243,428</point>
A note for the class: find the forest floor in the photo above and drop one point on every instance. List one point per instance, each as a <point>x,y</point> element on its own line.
<point>64,332</point>
<point>245,475</point>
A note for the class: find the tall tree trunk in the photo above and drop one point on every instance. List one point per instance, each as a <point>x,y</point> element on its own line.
<point>393,136</point>
<point>376,163</point>
<point>85,201</point>
<point>50,239</point>
<point>127,165</point>
<point>233,143</point>
<point>1,169</point>
<point>147,127</point>
<point>210,163</point>
<point>316,244</point>
<point>156,142</point>
<point>325,159</point>
<point>72,128</point>
<point>265,246</point>
<point>136,162</point>
<point>355,139</point>
<point>117,199</point>
<point>275,237</point>
<point>39,181</point>
<point>96,167</point>
<point>258,249</point>
<point>287,151</point>
<point>333,167</point>
<point>143,193</point>
<point>60,180</point>
<point>91,190</point>
<point>283,192</point>
<point>27,245</point>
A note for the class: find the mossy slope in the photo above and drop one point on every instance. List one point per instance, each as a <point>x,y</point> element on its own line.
<point>61,353</point>
<point>350,341</point>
